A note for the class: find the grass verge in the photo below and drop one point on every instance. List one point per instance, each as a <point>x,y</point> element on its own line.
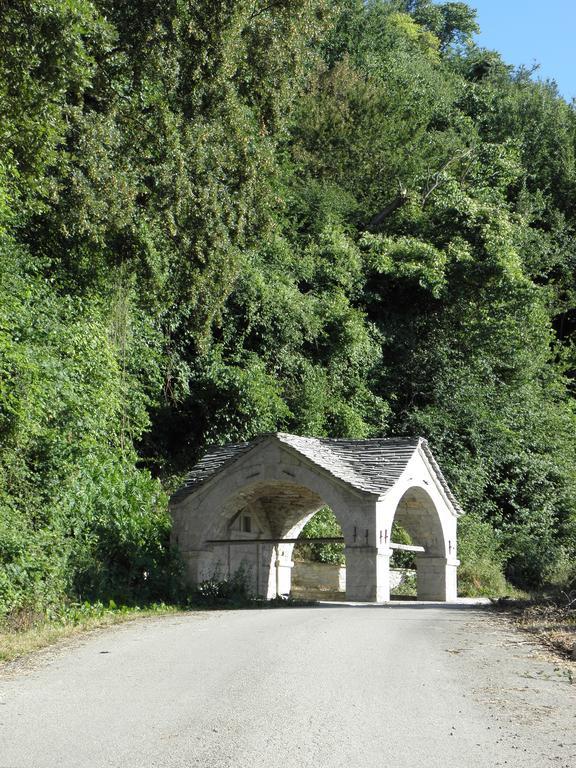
<point>25,631</point>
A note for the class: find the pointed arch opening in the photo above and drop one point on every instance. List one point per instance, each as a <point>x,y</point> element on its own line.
<point>319,571</point>
<point>418,518</point>
<point>254,535</point>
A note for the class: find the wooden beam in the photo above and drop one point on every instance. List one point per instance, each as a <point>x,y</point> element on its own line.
<point>406,547</point>
<point>317,540</point>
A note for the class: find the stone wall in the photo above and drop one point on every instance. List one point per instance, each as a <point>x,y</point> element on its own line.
<point>330,577</point>
<point>309,576</point>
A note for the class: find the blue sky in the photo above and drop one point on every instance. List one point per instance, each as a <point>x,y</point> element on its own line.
<point>528,31</point>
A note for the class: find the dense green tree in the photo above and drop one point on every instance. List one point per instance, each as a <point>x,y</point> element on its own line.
<point>465,261</point>
<point>224,218</point>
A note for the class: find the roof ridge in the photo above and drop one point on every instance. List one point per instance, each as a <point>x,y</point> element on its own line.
<point>344,470</point>
<point>398,438</point>
<point>369,465</point>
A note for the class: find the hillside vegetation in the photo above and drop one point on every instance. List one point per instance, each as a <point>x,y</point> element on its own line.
<point>225,217</point>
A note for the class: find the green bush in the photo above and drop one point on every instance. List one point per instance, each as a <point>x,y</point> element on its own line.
<point>408,587</point>
<point>399,558</point>
<point>481,560</point>
<point>217,591</point>
<point>322,524</point>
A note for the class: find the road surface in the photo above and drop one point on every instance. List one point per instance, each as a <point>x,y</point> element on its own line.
<point>398,686</point>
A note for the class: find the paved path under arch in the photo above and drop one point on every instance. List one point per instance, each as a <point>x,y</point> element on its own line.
<point>332,687</point>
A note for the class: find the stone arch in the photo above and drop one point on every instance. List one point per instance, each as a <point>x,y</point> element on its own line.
<point>421,510</point>
<point>280,493</point>
<point>418,515</point>
<point>303,487</point>
<point>282,480</point>
<point>275,509</point>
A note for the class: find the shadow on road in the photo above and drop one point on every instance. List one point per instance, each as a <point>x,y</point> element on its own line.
<point>410,605</point>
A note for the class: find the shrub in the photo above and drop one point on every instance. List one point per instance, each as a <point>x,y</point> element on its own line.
<point>322,524</point>
<point>481,568</point>
<point>216,591</point>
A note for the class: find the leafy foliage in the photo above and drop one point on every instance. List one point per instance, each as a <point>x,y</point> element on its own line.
<point>223,591</point>
<point>322,525</point>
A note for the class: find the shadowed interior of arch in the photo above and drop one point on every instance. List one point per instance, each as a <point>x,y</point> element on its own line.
<point>255,535</point>
<point>417,515</point>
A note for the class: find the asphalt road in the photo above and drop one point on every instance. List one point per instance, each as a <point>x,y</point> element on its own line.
<point>400,686</point>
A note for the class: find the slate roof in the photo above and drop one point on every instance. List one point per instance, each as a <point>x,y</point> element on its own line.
<point>372,465</point>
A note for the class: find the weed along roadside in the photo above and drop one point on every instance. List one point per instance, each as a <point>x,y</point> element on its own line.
<point>25,632</point>
<point>550,619</point>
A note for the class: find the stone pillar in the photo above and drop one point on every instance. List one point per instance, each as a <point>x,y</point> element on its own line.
<point>198,566</point>
<point>282,581</point>
<point>436,578</point>
<point>368,574</point>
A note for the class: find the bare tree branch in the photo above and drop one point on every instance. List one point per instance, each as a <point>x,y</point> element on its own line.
<point>389,208</point>
<point>437,179</point>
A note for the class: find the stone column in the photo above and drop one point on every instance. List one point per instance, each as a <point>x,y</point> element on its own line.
<point>283,565</point>
<point>436,578</point>
<point>198,565</point>
<point>368,574</point>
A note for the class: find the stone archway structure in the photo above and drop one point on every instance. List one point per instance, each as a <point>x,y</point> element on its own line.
<point>243,505</point>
